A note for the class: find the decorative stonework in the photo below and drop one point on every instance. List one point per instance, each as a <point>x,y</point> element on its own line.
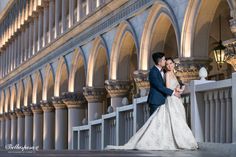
<point>36,108</point>
<point>188,70</point>
<point>141,79</point>
<point>58,103</point>
<point>74,100</point>
<point>233,26</point>
<point>47,106</point>
<point>19,113</point>
<point>13,115</point>
<point>230,52</point>
<point>117,88</point>
<point>27,111</point>
<point>94,94</point>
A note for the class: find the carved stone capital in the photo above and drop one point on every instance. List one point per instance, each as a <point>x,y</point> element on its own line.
<point>117,88</point>
<point>58,103</point>
<point>27,111</point>
<point>1,116</point>
<point>19,113</point>
<point>94,94</point>
<point>74,100</point>
<point>233,26</point>
<point>188,69</point>
<point>36,108</point>
<point>13,115</point>
<point>47,106</point>
<point>141,79</point>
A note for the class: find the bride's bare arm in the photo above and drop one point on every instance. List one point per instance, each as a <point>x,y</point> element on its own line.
<point>167,80</point>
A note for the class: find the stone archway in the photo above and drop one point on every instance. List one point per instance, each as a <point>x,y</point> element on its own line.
<point>13,97</point>
<point>48,84</point>
<point>97,73</point>
<point>199,33</point>
<point>37,88</point>
<point>28,92</point>
<point>159,28</point>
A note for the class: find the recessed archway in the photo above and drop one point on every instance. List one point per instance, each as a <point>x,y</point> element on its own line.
<point>13,97</point>
<point>28,92</point>
<point>48,84</point>
<point>161,33</point>
<point>61,79</point>
<point>77,78</point>
<point>37,88</point>
<point>20,94</point>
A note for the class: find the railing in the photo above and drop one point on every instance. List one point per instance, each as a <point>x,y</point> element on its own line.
<point>213,106</point>
<point>210,113</point>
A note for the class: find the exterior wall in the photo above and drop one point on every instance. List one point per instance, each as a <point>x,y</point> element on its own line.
<point>54,65</point>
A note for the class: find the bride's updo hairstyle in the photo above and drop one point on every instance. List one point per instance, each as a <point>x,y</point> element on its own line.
<point>169,58</point>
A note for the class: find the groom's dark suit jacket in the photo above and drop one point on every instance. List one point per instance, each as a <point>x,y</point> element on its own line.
<point>158,91</point>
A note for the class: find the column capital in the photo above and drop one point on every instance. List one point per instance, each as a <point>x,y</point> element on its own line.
<point>188,68</point>
<point>36,108</point>
<point>19,112</point>
<point>47,106</point>
<point>13,115</point>
<point>27,111</point>
<point>58,103</point>
<point>141,79</point>
<point>94,94</point>
<point>233,26</point>
<point>74,100</point>
<point>118,88</point>
<point>7,115</point>
<point>1,116</point>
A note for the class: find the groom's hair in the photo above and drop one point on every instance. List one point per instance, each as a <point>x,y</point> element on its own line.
<point>157,56</point>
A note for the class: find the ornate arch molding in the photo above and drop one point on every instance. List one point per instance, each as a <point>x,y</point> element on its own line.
<point>157,10</point>
<point>62,62</point>
<point>2,102</point>
<point>98,43</point>
<point>7,99</point>
<point>123,28</point>
<point>13,97</point>
<point>48,71</point>
<point>28,91</point>
<point>20,94</point>
<point>38,80</point>
<point>77,56</point>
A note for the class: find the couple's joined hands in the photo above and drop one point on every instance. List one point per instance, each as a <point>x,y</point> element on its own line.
<point>178,91</point>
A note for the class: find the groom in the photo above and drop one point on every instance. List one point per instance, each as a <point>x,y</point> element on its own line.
<point>158,91</point>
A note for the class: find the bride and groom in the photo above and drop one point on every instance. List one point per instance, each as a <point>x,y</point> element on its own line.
<point>166,128</point>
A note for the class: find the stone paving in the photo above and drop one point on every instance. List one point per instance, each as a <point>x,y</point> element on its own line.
<point>66,153</point>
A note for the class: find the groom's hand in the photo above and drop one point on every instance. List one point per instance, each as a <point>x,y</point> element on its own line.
<point>177,93</point>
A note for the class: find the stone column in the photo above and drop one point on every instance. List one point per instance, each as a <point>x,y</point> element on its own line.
<point>45,24</point>
<point>79,10</point>
<point>34,50</point>
<point>13,128</point>
<point>2,131</point>
<point>40,26</point>
<point>89,7</point>
<point>57,15</point>
<point>28,126</point>
<point>37,126</point>
<point>61,127</point>
<point>71,12</point>
<point>76,104</point>
<point>20,127</point>
<point>141,83</point>
<point>63,15</point>
<point>95,98</point>
<point>51,19</point>
<point>117,91</point>
<point>7,129</point>
<point>48,125</point>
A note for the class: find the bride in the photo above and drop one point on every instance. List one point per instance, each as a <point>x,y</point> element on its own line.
<point>166,129</point>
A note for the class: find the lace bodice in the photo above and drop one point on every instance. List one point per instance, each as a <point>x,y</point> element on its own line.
<point>173,83</point>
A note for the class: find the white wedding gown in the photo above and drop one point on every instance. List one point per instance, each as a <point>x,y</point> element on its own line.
<point>166,129</point>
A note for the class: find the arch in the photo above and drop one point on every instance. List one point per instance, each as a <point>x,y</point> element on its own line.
<point>98,63</point>
<point>124,32</point>
<point>28,91</point>
<point>197,25</point>
<point>2,102</point>
<point>48,83</point>
<point>13,97</point>
<point>7,100</point>
<point>159,11</point>
<point>61,78</point>
<point>37,88</point>
<point>20,94</point>
<point>77,76</point>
